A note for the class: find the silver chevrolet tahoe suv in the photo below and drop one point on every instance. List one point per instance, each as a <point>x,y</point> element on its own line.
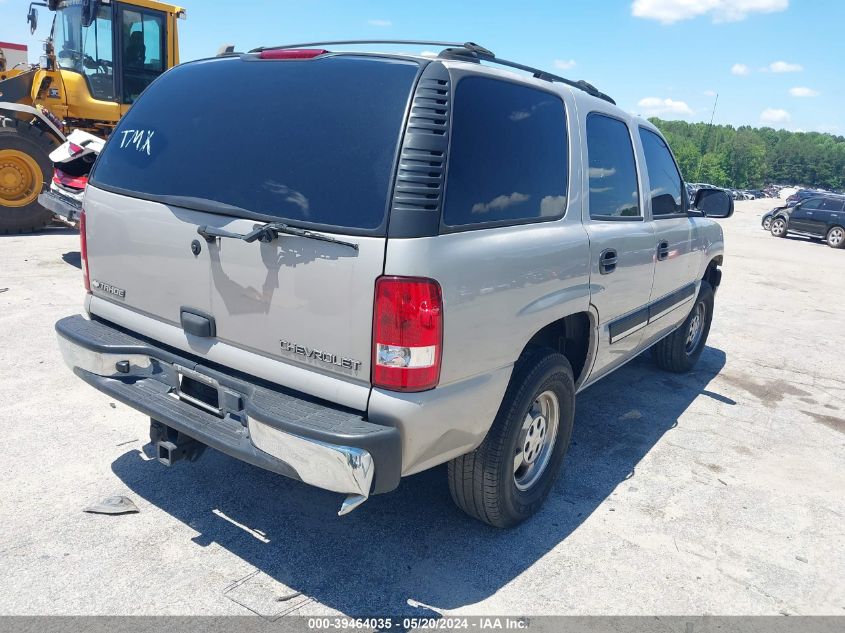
<point>350,267</point>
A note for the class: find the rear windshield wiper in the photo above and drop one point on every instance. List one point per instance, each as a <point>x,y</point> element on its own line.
<point>269,232</point>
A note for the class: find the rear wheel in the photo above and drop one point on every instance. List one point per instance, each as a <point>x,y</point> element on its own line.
<point>836,237</point>
<point>778,227</point>
<point>679,352</point>
<point>506,479</point>
<point>24,168</point>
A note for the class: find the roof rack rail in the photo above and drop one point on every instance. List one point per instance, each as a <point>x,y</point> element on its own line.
<point>465,51</point>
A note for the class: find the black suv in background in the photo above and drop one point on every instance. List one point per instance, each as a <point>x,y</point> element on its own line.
<point>803,194</point>
<point>818,217</point>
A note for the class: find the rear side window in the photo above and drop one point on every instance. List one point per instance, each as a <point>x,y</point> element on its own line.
<point>663,175</point>
<point>831,204</point>
<point>614,192</point>
<point>313,142</point>
<point>508,157</point>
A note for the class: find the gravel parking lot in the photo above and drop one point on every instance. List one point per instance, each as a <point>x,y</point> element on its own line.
<point>717,492</point>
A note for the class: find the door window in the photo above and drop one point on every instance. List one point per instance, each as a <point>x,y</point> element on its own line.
<point>831,204</point>
<point>97,55</point>
<point>614,192</point>
<point>811,205</point>
<point>86,49</point>
<point>143,51</point>
<point>663,176</point>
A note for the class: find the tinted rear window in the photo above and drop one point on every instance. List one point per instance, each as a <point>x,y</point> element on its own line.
<point>614,192</point>
<point>310,141</point>
<point>508,160</point>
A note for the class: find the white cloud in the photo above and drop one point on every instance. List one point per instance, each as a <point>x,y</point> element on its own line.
<point>802,91</point>
<point>429,54</point>
<point>379,22</point>
<point>740,69</point>
<point>565,64</point>
<point>671,11</point>
<point>774,116</point>
<point>709,93</point>
<point>785,67</point>
<point>500,202</point>
<point>655,106</point>
<point>552,205</point>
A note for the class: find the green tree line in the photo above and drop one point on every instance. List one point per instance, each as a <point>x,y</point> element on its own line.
<point>748,158</point>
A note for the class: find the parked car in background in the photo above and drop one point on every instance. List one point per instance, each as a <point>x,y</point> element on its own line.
<point>821,217</point>
<point>72,162</point>
<point>768,216</point>
<point>803,194</point>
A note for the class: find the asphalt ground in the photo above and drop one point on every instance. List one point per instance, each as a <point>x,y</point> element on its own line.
<point>716,492</point>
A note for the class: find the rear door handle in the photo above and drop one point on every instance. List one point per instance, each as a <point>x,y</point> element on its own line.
<point>607,261</point>
<point>663,250</point>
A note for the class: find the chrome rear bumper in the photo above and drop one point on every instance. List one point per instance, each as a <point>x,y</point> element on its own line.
<point>281,431</point>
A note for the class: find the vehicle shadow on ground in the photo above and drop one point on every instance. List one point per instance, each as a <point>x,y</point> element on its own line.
<point>818,241</point>
<point>74,258</point>
<point>53,229</point>
<point>413,543</point>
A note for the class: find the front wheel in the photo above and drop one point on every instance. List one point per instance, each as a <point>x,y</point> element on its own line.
<point>506,479</point>
<point>836,237</point>
<point>680,351</point>
<point>25,167</point>
<point>778,227</point>
<point>767,223</point>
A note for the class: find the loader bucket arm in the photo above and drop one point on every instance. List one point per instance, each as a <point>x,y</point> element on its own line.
<point>18,89</point>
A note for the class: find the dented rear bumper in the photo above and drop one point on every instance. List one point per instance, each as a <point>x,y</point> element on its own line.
<point>280,430</point>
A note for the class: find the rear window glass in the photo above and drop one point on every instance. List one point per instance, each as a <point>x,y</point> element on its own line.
<point>508,158</point>
<point>310,141</point>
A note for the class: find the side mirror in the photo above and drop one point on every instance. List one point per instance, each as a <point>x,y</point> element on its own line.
<point>714,203</point>
<point>32,20</point>
<point>89,13</point>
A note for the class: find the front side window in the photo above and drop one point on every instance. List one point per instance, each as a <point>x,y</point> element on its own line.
<point>663,175</point>
<point>508,158</point>
<point>614,193</point>
<point>86,49</point>
<point>810,205</point>
<point>143,51</point>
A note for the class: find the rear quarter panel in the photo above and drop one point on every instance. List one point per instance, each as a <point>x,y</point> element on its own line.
<point>500,287</point>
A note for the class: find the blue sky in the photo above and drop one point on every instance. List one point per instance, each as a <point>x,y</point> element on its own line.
<point>772,62</point>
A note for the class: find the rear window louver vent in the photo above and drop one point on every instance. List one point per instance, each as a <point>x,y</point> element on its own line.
<point>418,191</point>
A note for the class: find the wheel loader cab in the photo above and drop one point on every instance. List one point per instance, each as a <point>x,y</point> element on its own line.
<point>100,57</point>
<point>109,53</point>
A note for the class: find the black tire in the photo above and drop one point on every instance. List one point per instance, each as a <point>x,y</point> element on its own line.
<point>835,237</point>
<point>676,352</point>
<point>30,140</point>
<point>483,483</point>
<point>779,227</point>
<point>767,223</point>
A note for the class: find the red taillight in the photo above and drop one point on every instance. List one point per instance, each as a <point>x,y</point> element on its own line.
<point>74,182</point>
<point>407,333</point>
<point>83,251</point>
<point>292,53</point>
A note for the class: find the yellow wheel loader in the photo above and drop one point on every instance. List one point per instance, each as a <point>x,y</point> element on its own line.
<point>99,57</point>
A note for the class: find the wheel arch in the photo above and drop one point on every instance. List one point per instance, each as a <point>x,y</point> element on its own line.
<point>713,274</point>
<point>574,337</point>
<point>17,110</point>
